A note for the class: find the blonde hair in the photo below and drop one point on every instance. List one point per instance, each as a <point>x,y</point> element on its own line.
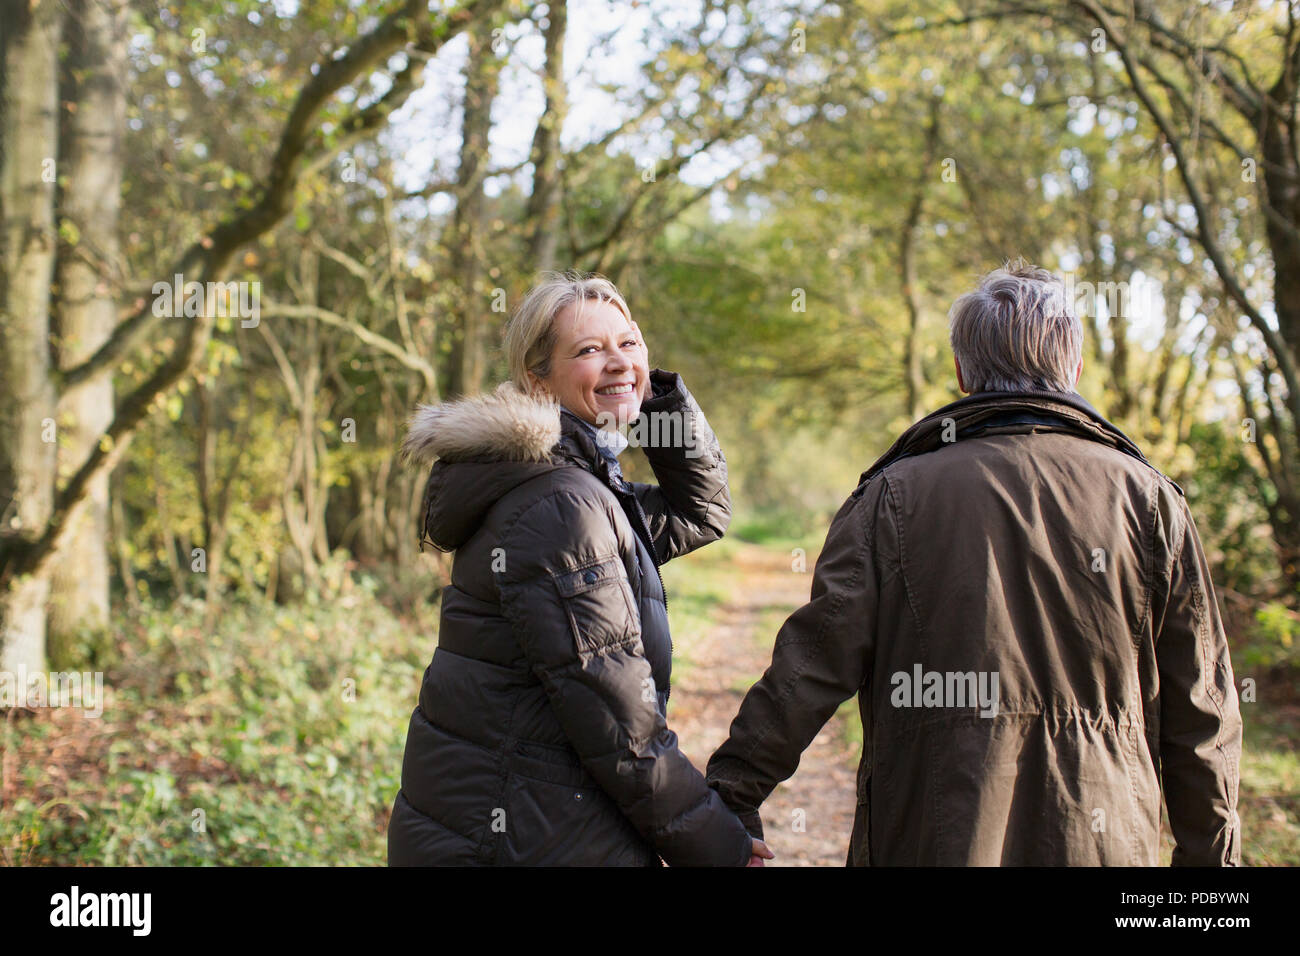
<point>530,334</point>
<point>1017,331</point>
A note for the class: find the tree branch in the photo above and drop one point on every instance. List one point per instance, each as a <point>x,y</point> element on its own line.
<point>409,21</point>
<point>210,254</point>
<point>1204,234</point>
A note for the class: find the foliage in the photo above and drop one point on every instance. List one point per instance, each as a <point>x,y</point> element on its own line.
<point>250,726</point>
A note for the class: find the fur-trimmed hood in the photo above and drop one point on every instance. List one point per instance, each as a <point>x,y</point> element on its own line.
<point>504,425</point>
<point>484,446</point>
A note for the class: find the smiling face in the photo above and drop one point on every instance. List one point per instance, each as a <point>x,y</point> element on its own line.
<point>599,364</point>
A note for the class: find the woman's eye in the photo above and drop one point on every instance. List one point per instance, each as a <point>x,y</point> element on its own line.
<point>586,350</point>
<point>629,342</point>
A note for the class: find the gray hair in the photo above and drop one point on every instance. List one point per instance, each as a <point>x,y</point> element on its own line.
<point>530,335</point>
<point>1016,332</point>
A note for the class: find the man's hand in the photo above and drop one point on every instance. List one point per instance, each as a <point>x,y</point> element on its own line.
<point>760,852</point>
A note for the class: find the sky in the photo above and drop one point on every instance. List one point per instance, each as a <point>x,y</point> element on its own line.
<point>427,127</point>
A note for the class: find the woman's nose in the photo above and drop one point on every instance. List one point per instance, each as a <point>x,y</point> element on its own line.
<point>618,361</point>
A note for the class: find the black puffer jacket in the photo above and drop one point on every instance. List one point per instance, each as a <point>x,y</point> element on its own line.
<point>541,733</point>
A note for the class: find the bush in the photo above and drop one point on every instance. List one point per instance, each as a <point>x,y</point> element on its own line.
<point>274,736</point>
<point>1272,641</point>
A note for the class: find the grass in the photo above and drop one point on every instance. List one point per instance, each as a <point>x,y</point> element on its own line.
<point>778,531</point>
<point>1270,785</point>
<point>695,590</point>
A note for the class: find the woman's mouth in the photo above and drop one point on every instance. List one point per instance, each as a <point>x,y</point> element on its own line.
<point>624,388</point>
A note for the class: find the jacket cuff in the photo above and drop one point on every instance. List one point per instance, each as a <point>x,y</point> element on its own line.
<point>749,818</point>
<point>753,823</point>
<point>666,390</point>
<point>749,850</point>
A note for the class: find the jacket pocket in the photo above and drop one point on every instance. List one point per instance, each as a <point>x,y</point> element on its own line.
<point>549,764</point>
<point>597,599</point>
<point>556,814</point>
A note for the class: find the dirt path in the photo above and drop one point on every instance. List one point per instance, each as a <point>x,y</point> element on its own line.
<point>725,660</point>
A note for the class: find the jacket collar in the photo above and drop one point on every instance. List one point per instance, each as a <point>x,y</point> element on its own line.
<point>578,446</point>
<point>966,417</point>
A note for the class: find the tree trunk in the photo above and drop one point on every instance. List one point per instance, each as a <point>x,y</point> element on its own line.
<point>29,43</point>
<point>119,535</point>
<point>913,374</point>
<point>544,203</point>
<point>467,361</point>
<point>214,486</point>
<point>88,272</point>
<point>1282,189</point>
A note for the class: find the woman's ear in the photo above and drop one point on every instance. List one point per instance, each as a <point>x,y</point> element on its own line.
<point>538,388</point>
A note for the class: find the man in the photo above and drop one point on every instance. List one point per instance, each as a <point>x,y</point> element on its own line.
<point>1021,603</point>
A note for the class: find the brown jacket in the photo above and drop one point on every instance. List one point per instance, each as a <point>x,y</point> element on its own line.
<point>1022,605</point>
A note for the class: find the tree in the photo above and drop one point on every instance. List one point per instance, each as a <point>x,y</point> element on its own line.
<point>45,509</point>
<point>88,268</point>
<point>1219,88</point>
<point>29,45</point>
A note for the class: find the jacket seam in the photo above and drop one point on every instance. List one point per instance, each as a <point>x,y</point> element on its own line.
<point>665,829</point>
<point>508,742</point>
<point>902,561</point>
<point>1135,805</point>
<point>585,655</point>
<point>1208,672</point>
<point>436,819</point>
<point>1108,721</point>
<point>525,509</point>
<point>429,816</point>
<point>1149,560</point>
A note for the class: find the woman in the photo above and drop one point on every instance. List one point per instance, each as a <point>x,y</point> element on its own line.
<point>541,735</point>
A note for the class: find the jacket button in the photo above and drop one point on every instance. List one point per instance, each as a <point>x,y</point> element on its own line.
<point>577,796</point>
<point>590,577</point>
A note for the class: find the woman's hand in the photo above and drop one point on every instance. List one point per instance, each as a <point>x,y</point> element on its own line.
<point>759,852</point>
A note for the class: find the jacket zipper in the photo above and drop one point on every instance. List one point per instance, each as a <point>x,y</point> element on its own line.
<point>654,559</point>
